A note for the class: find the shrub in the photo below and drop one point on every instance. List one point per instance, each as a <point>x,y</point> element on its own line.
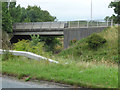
<point>33,46</point>
<point>72,42</point>
<point>50,42</point>
<point>6,55</point>
<point>95,41</point>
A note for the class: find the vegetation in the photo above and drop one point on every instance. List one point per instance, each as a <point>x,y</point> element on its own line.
<point>84,74</point>
<point>83,50</point>
<point>90,62</point>
<point>79,65</point>
<point>33,46</point>
<point>21,14</point>
<point>95,41</point>
<point>29,14</point>
<point>116,6</point>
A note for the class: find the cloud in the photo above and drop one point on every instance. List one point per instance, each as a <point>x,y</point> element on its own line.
<point>72,9</point>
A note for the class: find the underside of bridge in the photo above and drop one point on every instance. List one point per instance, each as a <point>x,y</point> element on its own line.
<point>16,38</point>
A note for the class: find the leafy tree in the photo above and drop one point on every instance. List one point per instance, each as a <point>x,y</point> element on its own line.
<point>29,14</point>
<point>6,18</point>
<point>116,6</point>
<point>35,14</point>
<point>15,12</point>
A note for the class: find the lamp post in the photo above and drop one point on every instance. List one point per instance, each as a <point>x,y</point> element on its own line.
<point>91,10</point>
<point>8,4</point>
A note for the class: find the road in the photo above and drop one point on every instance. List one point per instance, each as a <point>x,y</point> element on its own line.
<point>8,82</point>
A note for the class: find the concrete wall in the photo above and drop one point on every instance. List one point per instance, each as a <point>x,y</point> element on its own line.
<point>78,33</point>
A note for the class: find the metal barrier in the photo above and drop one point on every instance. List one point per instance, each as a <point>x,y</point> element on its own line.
<point>60,25</point>
<point>86,24</point>
<point>27,54</point>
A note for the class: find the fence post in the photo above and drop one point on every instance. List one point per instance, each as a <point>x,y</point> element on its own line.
<point>111,22</point>
<point>87,24</point>
<point>107,22</point>
<point>97,23</point>
<point>69,24</point>
<point>78,24</point>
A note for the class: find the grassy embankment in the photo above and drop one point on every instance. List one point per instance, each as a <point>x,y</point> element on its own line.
<point>100,70</point>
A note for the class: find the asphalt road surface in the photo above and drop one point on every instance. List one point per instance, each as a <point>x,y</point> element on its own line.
<point>8,82</point>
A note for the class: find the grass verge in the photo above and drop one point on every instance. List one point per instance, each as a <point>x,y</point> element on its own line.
<point>84,74</point>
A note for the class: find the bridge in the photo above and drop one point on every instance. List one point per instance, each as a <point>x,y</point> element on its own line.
<point>69,29</point>
<point>54,28</point>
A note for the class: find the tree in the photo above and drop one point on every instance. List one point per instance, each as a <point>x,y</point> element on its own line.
<point>116,6</point>
<point>6,18</point>
<point>35,14</point>
<point>15,12</point>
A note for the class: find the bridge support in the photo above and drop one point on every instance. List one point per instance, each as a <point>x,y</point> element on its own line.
<point>78,33</point>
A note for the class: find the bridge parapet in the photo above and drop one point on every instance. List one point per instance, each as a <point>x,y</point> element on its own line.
<point>38,25</point>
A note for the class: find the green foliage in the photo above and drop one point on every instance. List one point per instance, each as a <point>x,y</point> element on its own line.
<point>6,18</point>
<point>95,41</point>
<point>116,6</point>
<point>50,42</point>
<point>27,79</point>
<point>72,42</point>
<point>82,52</point>
<point>74,73</point>
<point>6,55</point>
<point>35,39</point>
<point>33,46</point>
<point>18,14</point>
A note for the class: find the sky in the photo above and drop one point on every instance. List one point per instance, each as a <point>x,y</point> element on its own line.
<point>70,10</point>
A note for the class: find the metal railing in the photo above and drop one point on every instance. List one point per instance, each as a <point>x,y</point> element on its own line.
<point>87,24</point>
<point>65,24</point>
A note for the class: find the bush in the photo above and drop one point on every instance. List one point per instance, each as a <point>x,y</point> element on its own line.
<point>33,46</point>
<point>72,42</point>
<point>50,42</point>
<point>95,41</point>
<point>6,55</point>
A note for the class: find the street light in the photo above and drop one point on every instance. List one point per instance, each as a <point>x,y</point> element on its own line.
<point>91,10</point>
<point>8,4</point>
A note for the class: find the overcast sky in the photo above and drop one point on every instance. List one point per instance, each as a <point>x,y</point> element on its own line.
<point>67,10</point>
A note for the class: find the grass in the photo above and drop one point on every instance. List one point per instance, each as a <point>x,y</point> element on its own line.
<point>85,68</point>
<point>108,52</point>
<point>85,74</point>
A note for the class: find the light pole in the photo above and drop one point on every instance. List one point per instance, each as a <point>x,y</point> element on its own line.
<point>8,4</point>
<point>91,10</point>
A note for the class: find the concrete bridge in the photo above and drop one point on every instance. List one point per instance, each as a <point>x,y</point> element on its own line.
<point>39,28</point>
<point>54,28</point>
<point>70,30</point>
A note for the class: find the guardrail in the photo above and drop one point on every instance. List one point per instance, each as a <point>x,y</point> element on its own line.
<point>27,54</point>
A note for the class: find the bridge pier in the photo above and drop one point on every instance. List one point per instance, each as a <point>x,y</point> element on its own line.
<point>79,33</point>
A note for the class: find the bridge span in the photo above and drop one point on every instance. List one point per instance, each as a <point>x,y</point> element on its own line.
<point>70,30</point>
<point>54,28</point>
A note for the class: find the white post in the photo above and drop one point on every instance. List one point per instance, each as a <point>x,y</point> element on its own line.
<point>78,24</point>
<point>91,10</point>
<point>107,22</point>
<point>69,24</point>
<point>111,22</point>
<point>87,24</point>
<point>97,23</point>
